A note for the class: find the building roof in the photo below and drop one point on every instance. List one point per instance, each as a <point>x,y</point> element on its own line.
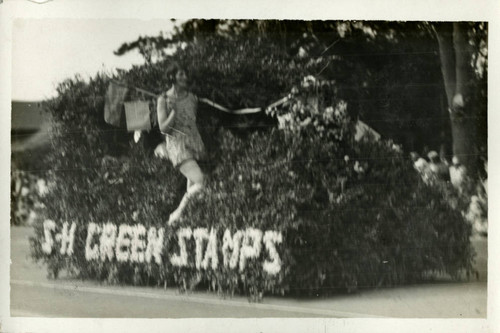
<point>27,116</point>
<point>29,126</point>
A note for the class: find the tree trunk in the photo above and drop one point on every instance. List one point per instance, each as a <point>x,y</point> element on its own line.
<point>444,33</point>
<point>455,58</point>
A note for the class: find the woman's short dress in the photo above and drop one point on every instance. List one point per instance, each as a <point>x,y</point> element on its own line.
<point>184,142</point>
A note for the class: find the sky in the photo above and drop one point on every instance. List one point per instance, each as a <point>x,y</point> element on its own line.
<point>47,51</point>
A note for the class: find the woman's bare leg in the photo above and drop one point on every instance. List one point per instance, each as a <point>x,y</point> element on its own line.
<point>195,181</point>
<point>189,183</point>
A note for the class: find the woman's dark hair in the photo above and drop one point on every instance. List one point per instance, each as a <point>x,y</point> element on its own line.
<point>172,70</point>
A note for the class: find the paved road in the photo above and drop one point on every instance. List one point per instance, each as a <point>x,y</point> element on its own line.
<point>32,300</point>
<point>33,295</point>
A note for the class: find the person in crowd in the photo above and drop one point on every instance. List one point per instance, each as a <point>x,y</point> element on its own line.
<point>422,166</point>
<point>438,167</point>
<point>457,174</point>
<point>177,108</point>
<point>485,180</point>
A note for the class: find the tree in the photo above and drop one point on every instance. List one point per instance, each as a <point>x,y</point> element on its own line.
<point>457,60</point>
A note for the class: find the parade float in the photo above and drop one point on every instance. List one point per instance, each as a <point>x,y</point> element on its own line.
<point>301,198</point>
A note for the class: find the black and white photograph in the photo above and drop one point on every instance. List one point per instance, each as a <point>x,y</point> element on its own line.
<point>192,167</point>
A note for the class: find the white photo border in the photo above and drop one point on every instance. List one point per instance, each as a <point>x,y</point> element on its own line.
<point>447,10</point>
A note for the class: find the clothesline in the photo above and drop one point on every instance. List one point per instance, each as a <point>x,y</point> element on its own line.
<point>211,103</point>
<point>135,88</point>
<point>139,117</point>
<point>220,107</point>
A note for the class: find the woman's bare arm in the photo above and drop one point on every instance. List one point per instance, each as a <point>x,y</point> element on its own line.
<point>165,118</point>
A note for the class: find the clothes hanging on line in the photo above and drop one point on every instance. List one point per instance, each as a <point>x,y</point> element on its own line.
<point>113,107</point>
<point>137,115</point>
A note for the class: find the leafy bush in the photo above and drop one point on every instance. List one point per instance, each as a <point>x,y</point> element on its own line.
<point>27,183</point>
<point>386,227</point>
<point>23,196</point>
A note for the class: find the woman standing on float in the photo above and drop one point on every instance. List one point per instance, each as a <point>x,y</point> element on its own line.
<point>177,121</point>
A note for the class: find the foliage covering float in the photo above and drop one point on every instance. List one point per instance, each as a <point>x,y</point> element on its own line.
<point>351,215</point>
